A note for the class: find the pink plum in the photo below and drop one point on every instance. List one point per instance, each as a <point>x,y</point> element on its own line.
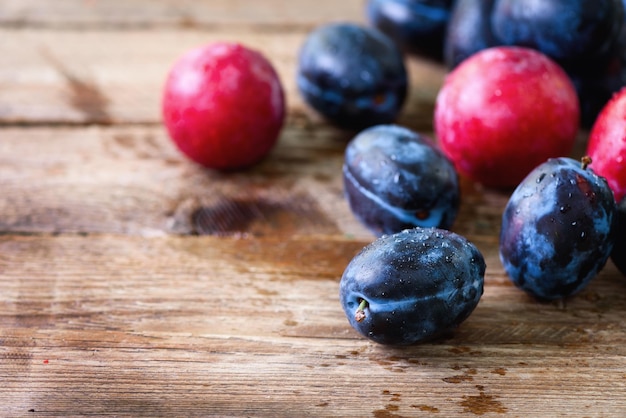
<point>223,105</point>
<point>607,144</point>
<point>503,111</point>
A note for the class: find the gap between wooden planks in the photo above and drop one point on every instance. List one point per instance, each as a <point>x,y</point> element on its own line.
<point>106,311</point>
<point>132,180</point>
<point>103,324</point>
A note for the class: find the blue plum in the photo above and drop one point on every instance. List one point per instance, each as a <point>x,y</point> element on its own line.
<point>469,30</point>
<point>395,179</point>
<point>557,229</point>
<point>352,75</point>
<point>597,85</point>
<point>417,26</point>
<point>598,80</point>
<point>569,31</point>
<point>618,255</point>
<point>585,37</point>
<point>412,286</point>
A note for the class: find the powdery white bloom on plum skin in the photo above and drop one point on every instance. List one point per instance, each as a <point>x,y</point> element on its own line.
<point>416,284</point>
<point>557,229</point>
<point>352,75</point>
<point>395,178</point>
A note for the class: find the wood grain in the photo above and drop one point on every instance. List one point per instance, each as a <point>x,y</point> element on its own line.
<point>207,325</point>
<point>132,180</point>
<point>56,76</point>
<point>180,14</point>
<point>135,283</point>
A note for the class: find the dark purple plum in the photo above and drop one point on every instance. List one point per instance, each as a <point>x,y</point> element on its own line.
<point>412,286</point>
<point>585,37</point>
<point>618,255</point>
<point>596,87</point>
<point>396,179</point>
<point>569,31</point>
<point>469,30</point>
<point>352,75</point>
<point>597,81</point>
<point>557,229</point>
<point>417,26</point>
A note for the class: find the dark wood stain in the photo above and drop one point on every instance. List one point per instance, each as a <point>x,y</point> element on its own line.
<point>467,376</point>
<point>482,404</point>
<point>458,378</point>
<point>500,370</point>
<point>459,350</point>
<point>229,216</point>
<point>240,215</point>
<point>385,413</point>
<point>109,307</point>
<point>83,95</point>
<point>426,408</point>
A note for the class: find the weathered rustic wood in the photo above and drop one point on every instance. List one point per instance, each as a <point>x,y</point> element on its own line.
<point>132,180</point>
<point>111,77</point>
<point>135,283</point>
<point>198,326</point>
<point>181,14</point>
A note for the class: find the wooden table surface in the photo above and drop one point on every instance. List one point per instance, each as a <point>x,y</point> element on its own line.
<point>135,283</point>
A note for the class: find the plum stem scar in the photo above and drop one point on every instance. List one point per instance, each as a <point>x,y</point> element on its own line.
<point>360,311</point>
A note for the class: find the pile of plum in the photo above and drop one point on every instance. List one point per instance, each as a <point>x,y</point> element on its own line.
<point>524,77</point>
<point>585,37</point>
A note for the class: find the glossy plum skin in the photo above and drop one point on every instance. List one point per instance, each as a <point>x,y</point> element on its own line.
<point>503,111</point>
<point>223,105</point>
<point>607,144</point>
<point>557,229</point>
<point>469,30</point>
<point>417,284</point>
<point>417,26</point>
<point>585,37</point>
<point>618,255</point>
<point>597,79</point>
<point>396,179</point>
<point>597,85</point>
<point>352,75</point>
<point>569,31</point>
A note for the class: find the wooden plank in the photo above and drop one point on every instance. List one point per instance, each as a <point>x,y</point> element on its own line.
<point>178,13</point>
<point>203,325</point>
<point>113,77</point>
<point>135,283</point>
<point>132,180</point>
